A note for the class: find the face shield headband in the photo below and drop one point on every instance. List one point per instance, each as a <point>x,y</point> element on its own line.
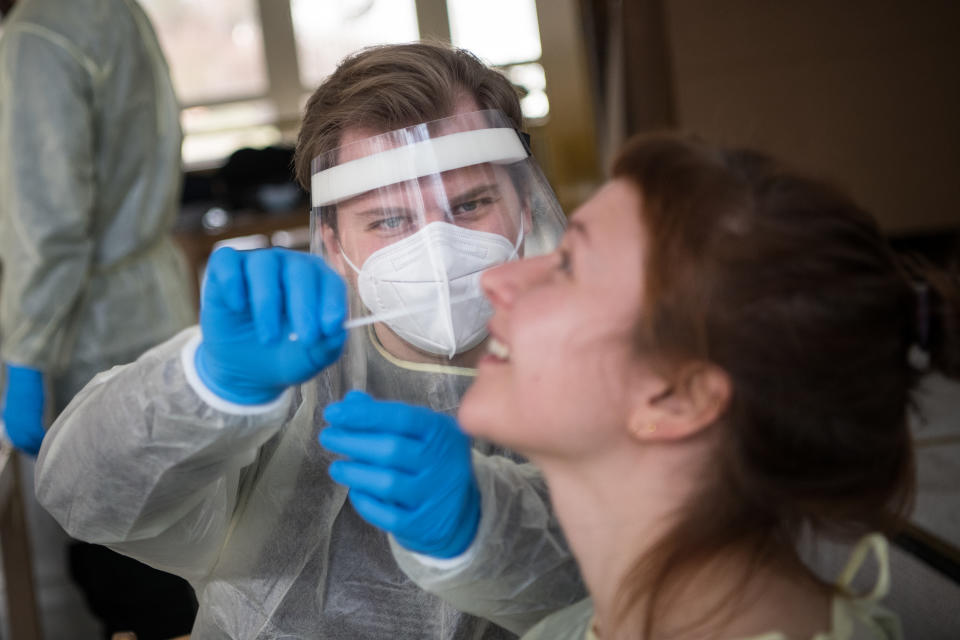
<point>417,160</point>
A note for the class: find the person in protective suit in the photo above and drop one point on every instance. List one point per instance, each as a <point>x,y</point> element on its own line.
<point>89,183</point>
<point>204,451</point>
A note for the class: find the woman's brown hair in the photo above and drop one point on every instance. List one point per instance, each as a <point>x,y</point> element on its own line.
<point>789,287</point>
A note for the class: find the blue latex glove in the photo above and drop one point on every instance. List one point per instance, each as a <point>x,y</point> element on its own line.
<point>408,470</point>
<point>23,402</point>
<point>253,301</point>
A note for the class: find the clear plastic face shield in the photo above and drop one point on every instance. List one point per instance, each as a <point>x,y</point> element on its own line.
<point>411,218</point>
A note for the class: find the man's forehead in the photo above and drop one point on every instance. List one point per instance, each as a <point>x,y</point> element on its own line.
<point>350,136</point>
<point>358,142</point>
<point>452,184</point>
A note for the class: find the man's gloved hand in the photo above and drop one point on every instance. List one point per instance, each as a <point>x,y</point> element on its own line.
<point>23,402</point>
<point>270,319</point>
<point>409,472</point>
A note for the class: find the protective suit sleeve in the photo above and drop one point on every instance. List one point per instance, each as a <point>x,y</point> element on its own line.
<point>141,463</point>
<point>47,189</point>
<point>519,568</point>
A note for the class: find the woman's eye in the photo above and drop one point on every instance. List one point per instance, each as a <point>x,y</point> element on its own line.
<point>563,261</point>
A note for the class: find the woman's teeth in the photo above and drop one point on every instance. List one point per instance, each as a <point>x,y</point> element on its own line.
<point>498,349</point>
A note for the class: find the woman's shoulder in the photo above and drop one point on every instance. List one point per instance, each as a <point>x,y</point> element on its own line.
<point>570,623</point>
<point>852,619</point>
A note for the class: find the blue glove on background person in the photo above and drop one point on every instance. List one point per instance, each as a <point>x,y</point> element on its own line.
<point>23,403</point>
<point>270,319</point>
<point>409,472</point>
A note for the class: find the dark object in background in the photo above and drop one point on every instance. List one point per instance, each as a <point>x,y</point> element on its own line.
<point>941,247</point>
<point>258,179</point>
<point>197,187</point>
<point>127,595</point>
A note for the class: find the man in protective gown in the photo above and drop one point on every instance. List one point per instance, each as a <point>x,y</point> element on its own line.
<point>201,458</point>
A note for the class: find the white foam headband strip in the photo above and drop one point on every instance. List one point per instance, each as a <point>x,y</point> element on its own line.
<point>412,161</point>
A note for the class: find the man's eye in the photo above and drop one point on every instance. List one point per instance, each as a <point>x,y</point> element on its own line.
<point>389,224</point>
<point>563,261</point>
<point>471,206</point>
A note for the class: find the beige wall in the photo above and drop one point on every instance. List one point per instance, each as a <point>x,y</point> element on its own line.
<point>566,144</point>
<point>865,92</point>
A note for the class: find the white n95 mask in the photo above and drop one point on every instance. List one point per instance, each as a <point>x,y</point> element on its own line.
<point>426,287</point>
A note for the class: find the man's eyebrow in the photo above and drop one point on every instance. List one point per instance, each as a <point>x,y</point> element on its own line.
<point>379,212</point>
<point>476,191</point>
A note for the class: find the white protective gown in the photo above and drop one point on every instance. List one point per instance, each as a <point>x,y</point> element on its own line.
<point>242,505</point>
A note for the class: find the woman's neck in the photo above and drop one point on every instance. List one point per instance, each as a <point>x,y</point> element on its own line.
<point>613,511</point>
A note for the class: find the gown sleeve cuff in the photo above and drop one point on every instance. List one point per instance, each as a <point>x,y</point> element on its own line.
<point>187,361</point>
<point>442,564</point>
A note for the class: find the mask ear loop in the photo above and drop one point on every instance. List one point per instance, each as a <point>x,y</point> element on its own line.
<point>516,245</point>
<point>343,254</point>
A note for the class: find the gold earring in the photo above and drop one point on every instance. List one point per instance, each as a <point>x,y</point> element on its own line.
<point>640,429</point>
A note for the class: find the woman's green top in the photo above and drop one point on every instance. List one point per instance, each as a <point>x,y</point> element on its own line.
<point>853,617</point>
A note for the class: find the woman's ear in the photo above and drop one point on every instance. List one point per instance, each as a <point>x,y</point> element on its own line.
<point>694,400</point>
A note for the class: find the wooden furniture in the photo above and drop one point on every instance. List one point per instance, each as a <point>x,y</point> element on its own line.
<point>23,616</point>
<point>198,244</point>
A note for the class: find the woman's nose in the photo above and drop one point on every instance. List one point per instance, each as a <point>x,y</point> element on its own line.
<point>503,284</point>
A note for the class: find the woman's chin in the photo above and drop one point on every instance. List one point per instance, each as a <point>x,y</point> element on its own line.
<point>471,413</point>
<point>483,413</point>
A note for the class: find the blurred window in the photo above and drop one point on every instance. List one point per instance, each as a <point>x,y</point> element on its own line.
<point>533,85</point>
<point>501,32</point>
<point>216,131</point>
<point>214,47</point>
<point>505,33</point>
<point>327,30</point>
<point>216,50</point>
